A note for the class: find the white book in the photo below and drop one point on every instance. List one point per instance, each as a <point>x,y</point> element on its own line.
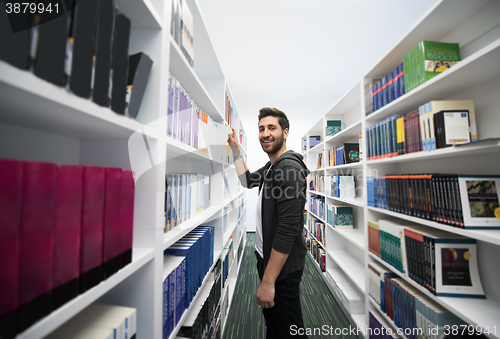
<point>128,313</point>
<point>65,332</point>
<point>117,324</point>
<point>480,198</point>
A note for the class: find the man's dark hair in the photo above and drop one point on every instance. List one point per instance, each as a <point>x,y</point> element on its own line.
<point>274,112</point>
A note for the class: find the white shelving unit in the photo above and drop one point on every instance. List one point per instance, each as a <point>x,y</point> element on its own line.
<point>43,122</point>
<point>475,25</point>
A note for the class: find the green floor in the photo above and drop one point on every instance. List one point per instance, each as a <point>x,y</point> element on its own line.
<point>318,304</point>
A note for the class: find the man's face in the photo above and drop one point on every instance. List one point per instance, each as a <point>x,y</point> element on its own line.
<point>271,136</point>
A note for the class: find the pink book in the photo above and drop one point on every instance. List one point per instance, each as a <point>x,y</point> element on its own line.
<point>11,174</point>
<point>112,227</point>
<point>92,227</point>
<point>67,234</point>
<point>127,217</point>
<point>37,241</point>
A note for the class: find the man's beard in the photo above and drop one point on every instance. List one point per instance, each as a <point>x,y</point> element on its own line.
<point>278,144</point>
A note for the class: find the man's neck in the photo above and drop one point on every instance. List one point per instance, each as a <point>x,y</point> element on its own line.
<point>274,156</point>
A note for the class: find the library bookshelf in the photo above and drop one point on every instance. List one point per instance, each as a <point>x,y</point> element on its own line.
<point>42,122</point>
<point>475,25</point>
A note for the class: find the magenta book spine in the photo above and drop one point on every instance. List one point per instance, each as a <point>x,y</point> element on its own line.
<point>127,217</point>
<point>112,227</point>
<point>11,174</point>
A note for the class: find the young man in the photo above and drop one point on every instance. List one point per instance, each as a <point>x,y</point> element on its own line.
<point>279,244</point>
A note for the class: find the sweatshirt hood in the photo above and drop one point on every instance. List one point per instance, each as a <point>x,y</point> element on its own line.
<point>291,155</point>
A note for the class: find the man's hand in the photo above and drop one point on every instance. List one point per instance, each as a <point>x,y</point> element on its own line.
<point>265,295</point>
<point>232,140</point>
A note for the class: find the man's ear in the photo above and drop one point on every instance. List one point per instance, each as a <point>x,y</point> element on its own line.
<point>285,133</point>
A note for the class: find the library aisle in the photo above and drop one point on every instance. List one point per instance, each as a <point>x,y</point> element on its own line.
<point>319,306</point>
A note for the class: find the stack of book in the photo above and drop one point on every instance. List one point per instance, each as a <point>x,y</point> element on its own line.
<point>186,195</point>
<point>317,183</point>
<point>464,201</point>
<point>317,228</point>
<point>340,186</point>
<point>197,247</point>
<point>64,230</point>
<point>182,29</point>
<point>316,205</point>
<point>99,321</point>
<point>202,319</point>
<point>318,253</point>
<point>227,262</point>
<point>443,263</point>
<point>340,216</point>
<point>346,153</point>
<point>428,59</point>
<point>409,309</point>
<point>84,50</point>
<point>174,292</point>
<point>379,93</point>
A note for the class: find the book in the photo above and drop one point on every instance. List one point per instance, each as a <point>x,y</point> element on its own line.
<point>51,48</point>
<point>16,38</point>
<point>314,140</point>
<point>351,153</point>
<point>11,198</point>
<point>37,241</point>
<point>333,127</point>
<point>81,51</point>
<point>453,128</point>
<point>138,74</point>
<point>67,234</point>
<point>457,271</point>
<point>92,320</point>
<point>104,53</point>
<point>175,29</point>
<point>127,217</point>
<point>112,222</point>
<point>480,198</point>
<point>91,245</point>
<point>64,332</point>
<point>129,315</point>
<point>173,289</point>
<point>187,34</point>
<point>120,63</point>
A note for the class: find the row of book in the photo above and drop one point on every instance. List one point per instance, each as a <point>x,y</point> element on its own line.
<point>182,29</point>
<point>346,153</point>
<point>340,216</point>
<point>317,252</point>
<point>203,320</point>
<point>316,205</point>
<point>186,195</point>
<point>174,292</point>
<point>345,290</point>
<point>187,123</point>
<point>241,207</point>
<point>340,186</point>
<point>435,125</point>
<point>228,111</point>
<point>85,50</point>
<point>443,263</point>
<point>380,92</point>
<point>428,59</point>
<point>408,308</point>
<point>464,201</point>
<point>64,229</point>
<point>99,321</point>
<point>197,247</point>
<point>227,261</point>
<point>317,229</point>
<point>317,183</point>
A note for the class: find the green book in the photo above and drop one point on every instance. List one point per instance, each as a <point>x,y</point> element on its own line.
<point>437,57</point>
<point>343,217</point>
<point>333,127</point>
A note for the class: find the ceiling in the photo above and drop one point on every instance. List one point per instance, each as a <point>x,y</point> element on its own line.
<point>301,56</point>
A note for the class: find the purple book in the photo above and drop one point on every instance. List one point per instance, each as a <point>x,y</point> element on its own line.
<point>92,227</point>
<point>37,241</point>
<point>112,226</point>
<point>11,175</point>
<point>67,233</point>
<point>127,217</point>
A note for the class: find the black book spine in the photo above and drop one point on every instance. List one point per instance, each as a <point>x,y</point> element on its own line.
<point>448,211</point>
<point>460,213</point>
<point>120,64</point>
<point>84,24</point>
<point>442,205</point>
<point>436,198</point>
<point>453,202</point>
